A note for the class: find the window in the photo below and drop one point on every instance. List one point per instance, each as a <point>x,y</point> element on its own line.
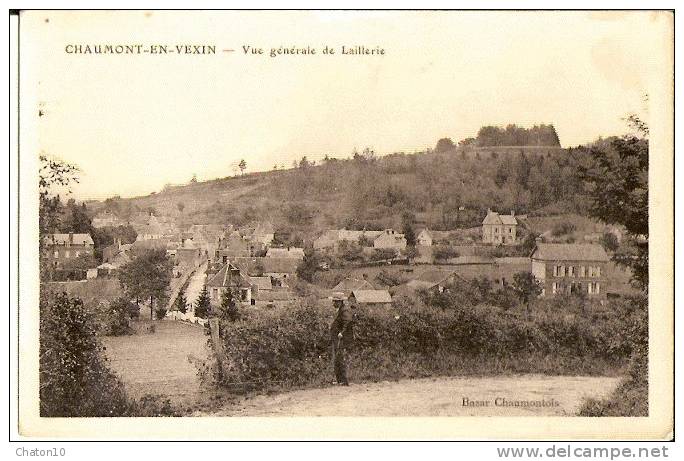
<point>571,271</point>
<point>583,271</point>
<point>555,271</point>
<point>598,271</point>
<point>597,288</point>
<point>562,271</point>
<point>554,288</point>
<point>214,293</point>
<point>56,254</point>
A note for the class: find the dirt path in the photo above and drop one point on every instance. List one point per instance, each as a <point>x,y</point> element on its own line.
<point>432,397</point>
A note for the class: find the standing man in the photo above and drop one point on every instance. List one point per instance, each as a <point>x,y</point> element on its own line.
<point>341,335</point>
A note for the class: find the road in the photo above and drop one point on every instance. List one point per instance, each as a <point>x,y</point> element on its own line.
<point>195,285</point>
<point>431,397</point>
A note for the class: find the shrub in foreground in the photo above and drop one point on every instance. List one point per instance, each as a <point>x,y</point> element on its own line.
<point>291,348</point>
<point>74,377</point>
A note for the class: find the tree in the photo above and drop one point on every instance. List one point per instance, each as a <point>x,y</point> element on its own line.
<point>304,163</point>
<point>242,165</point>
<point>203,304</point>
<point>444,145</point>
<point>408,219</point>
<point>74,379</point>
<point>83,262</point>
<point>609,241</point>
<point>193,180</point>
<point>181,302</point>
<point>229,310</point>
<point>617,184</point>
<point>527,287</point>
<point>147,277</point>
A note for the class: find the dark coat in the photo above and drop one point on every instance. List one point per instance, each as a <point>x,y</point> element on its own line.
<point>344,323</point>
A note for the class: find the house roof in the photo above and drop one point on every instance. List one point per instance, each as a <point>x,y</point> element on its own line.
<point>434,276</point>
<point>262,283</point>
<point>350,284</point>
<point>495,218</point>
<point>226,278</point>
<point>63,239</point>
<point>372,296</point>
<point>280,265</point>
<point>285,252</point>
<point>151,244</point>
<point>508,220</point>
<point>569,252</point>
<point>269,265</point>
<point>274,295</point>
<point>426,232</point>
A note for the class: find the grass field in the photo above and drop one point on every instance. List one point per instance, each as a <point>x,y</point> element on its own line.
<point>157,363</point>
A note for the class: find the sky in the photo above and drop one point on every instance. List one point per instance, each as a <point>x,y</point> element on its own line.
<point>133,123</point>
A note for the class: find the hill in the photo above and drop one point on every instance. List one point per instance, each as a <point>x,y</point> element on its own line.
<point>442,190</point>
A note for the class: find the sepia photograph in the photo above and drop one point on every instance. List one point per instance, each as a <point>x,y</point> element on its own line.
<point>280,218</point>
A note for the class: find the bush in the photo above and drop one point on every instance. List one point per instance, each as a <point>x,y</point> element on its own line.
<point>562,228</point>
<point>160,312</point>
<point>118,318</point>
<point>380,254</point>
<point>631,397</point>
<point>74,377</point>
<point>282,349</point>
<point>442,252</point>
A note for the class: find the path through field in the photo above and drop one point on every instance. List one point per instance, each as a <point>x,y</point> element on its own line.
<point>431,397</point>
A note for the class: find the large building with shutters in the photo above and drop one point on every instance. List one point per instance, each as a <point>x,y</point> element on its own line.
<point>568,268</point>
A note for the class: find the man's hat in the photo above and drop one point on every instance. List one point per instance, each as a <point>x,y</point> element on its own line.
<point>338,296</point>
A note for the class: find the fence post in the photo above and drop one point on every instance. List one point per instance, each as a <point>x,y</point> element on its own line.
<point>217,346</point>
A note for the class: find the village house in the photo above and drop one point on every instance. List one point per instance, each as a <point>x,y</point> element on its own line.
<point>229,277</point>
<point>350,284</point>
<point>565,268</point>
<point>232,246</point>
<point>263,234</point>
<point>436,280</point>
<point>280,270</point>
<point>331,239</point>
<point>499,229</point>
<point>390,239</point>
<point>289,252</point>
<point>424,238</point>
<point>111,267</point>
<point>188,254</point>
<point>370,298</point>
<point>151,231</point>
<point>105,219</point>
<point>61,248</point>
